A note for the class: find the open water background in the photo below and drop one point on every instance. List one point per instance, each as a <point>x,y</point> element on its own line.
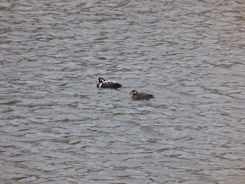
<point>56,127</point>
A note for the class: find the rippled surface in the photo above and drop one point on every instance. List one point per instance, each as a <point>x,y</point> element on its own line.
<point>56,127</point>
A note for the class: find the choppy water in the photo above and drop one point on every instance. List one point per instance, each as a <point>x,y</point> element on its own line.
<point>56,127</point>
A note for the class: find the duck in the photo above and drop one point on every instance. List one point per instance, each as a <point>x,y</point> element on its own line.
<point>140,96</point>
<point>102,83</point>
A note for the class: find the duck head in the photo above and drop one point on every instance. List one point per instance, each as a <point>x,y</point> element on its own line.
<point>100,79</point>
<point>133,92</point>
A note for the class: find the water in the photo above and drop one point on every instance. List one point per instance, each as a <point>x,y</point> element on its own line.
<point>56,127</point>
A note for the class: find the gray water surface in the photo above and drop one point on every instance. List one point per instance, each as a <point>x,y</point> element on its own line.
<point>56,127</point>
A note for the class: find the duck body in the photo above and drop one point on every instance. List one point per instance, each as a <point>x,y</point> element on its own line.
<point>102,83</point>
<point>140,96</point>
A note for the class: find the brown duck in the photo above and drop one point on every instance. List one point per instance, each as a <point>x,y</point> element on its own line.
<point>140,96</point>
